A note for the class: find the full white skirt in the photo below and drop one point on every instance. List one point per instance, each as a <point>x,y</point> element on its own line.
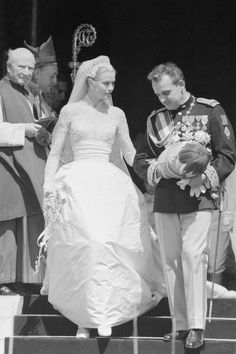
<point>101,265</point>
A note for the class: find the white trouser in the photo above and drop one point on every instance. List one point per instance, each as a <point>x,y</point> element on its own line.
<point>223,243</point>
<point>183,243</point>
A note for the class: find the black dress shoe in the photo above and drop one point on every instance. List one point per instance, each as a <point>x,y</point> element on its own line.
<point>179,335</point>
<point>5,290</point>
<point>195,339</point>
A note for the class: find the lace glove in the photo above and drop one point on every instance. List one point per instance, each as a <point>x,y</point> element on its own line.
<point>58,142</point>
<point>123,139</point>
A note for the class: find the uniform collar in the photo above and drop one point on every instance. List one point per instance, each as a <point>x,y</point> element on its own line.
<point>187,103</point>
<point>182,107</point>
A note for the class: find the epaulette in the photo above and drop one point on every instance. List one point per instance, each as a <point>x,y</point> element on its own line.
<point>156,111</point>
<point>208,102</point>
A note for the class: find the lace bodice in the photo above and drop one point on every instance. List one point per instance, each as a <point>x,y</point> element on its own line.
<point>79,122</point>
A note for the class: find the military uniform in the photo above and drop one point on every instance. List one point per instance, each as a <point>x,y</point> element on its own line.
<point>183,221</point>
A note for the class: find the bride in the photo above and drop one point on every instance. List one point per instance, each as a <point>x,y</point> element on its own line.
<point>101,269</point>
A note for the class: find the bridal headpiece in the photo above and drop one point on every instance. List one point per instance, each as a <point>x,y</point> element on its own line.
<point>87,69</point>
<point>97,65</point>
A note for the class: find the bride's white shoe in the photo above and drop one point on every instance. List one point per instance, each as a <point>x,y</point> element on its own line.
<point>104,331</point>
<point>82,333</point>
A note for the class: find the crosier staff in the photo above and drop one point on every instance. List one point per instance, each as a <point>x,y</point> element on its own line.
<point>84,36</point>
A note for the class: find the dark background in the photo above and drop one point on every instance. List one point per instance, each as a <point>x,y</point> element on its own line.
<point>198,35</point>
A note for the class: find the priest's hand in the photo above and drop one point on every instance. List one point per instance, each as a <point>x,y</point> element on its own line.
<point>31,129</point>
<point>43,137</point>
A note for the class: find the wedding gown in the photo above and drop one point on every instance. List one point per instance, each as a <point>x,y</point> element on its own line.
<point>100,261</point>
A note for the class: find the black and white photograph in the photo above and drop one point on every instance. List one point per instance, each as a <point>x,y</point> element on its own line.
<point>117,177</point>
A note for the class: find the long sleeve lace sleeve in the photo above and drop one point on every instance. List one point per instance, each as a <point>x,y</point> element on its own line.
<point>58,141</point>
<point>124,141</point>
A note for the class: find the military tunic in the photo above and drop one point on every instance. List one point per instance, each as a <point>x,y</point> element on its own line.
<point>207,116</point>
<point>183,221</point>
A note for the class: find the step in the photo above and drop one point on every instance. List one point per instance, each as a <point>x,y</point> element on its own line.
<point>218,328</point>
<point>37,304</point>
<point>229,280</point>
<point>156,326</point>
<point>62,345</point>
<point>223,308</point>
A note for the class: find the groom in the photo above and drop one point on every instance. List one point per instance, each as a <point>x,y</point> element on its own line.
<point>183,215</point>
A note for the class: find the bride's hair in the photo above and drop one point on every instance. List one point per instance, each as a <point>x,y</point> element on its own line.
<point>87,69</point>
<point>97,73</point>
<point>100,68</point>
